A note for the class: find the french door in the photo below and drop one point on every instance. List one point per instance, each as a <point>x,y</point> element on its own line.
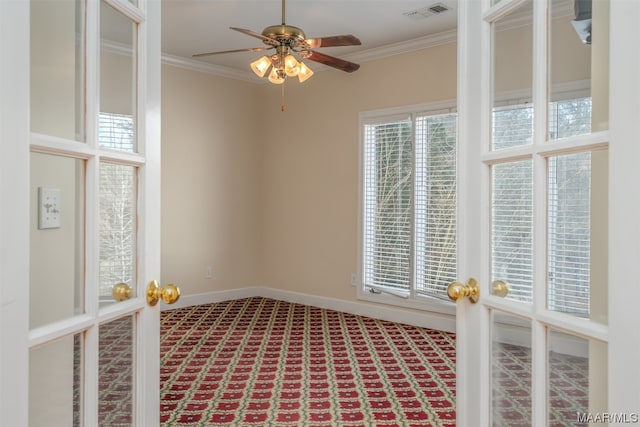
<point>83,147</point>
<point>547,213</point>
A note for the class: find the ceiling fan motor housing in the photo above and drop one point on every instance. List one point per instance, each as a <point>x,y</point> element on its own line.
<point>285,34</point>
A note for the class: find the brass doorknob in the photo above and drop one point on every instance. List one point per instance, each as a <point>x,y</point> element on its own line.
<point>457,290</point>
<point>169,293</point>
<point>500,288</point>
<point>121,292</point>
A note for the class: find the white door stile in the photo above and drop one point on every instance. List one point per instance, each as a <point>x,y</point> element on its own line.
<point>624,209</point>
<point>149,114</point>
<point>14,224</point>
<point>470,325</point>
<point>539,356</point>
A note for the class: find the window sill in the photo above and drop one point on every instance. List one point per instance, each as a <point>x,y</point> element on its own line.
<point>421,303</point>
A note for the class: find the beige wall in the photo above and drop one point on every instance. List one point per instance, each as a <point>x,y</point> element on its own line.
<point>51,381</point>
<point>55,266</point>
<point>210,181</point>
<point>54,69</point>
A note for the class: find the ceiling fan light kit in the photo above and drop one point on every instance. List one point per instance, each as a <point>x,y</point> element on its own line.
<point>288,40</point>
<point>280,69</point>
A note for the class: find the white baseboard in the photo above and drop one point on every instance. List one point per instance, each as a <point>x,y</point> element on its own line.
<point>212,297</point>
<point>429,320</point>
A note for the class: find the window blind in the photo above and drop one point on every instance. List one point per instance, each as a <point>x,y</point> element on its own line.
<point>569,118</point>
<point>435,204</point>
<point>569,248</point>
<point>115,131</point>
<point>512,227</point>
<point>512,126</point>
<point>388,193</point>
<point>568,208</point>
<point>569,213</point>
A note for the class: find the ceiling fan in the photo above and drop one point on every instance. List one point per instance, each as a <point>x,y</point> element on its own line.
<point>288,40</point>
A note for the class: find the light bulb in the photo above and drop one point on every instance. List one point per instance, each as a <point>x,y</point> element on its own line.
<point>304,73</point>
<point>276,76</point>
<point>291,66</point>
<point>261,66</point>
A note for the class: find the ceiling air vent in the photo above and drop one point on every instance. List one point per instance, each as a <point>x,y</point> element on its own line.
<point>426,12</point>
<point>438,8</point>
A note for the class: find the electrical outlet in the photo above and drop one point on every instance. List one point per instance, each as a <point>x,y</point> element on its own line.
<point>49,207</point>
<point>354,279</point>
<point>208,274</point>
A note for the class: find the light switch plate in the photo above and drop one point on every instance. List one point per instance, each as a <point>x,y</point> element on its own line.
<point>49,207</point>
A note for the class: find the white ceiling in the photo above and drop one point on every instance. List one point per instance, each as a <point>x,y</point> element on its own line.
<point>197,26</point>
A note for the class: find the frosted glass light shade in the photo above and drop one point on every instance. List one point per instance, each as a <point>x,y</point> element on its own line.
<point>304,73</point>
<point>291,66</point>
<point>275,77</point>
<point>261,66</point>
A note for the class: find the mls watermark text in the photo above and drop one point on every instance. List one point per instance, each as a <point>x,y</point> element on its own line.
<point>608,417</point>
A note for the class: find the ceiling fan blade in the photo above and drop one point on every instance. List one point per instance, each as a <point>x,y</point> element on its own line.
<point>265,39</point>
<point>331,61</point>
<point>343,40</point>
<point>250,49</point>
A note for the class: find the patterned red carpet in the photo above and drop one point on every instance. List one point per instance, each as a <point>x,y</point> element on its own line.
<point>261,362</point>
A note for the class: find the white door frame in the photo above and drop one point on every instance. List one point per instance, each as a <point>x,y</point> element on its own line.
<point>473,400</point>
<point>15,139</point>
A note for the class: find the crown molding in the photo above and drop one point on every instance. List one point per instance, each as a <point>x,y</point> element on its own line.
<point>403,47</point>
<point>217,70</point>
<point>186,63</point>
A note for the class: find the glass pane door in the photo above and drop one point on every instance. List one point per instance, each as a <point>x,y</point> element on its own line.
<point>535,148</point>
<point>548,174</point>
<point>91,331</point>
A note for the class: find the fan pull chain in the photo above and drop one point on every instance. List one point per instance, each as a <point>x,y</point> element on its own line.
<point>282,106</point>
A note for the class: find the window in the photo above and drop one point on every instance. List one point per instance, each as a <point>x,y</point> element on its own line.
<point>409,206</point>
<point>408,220</point>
